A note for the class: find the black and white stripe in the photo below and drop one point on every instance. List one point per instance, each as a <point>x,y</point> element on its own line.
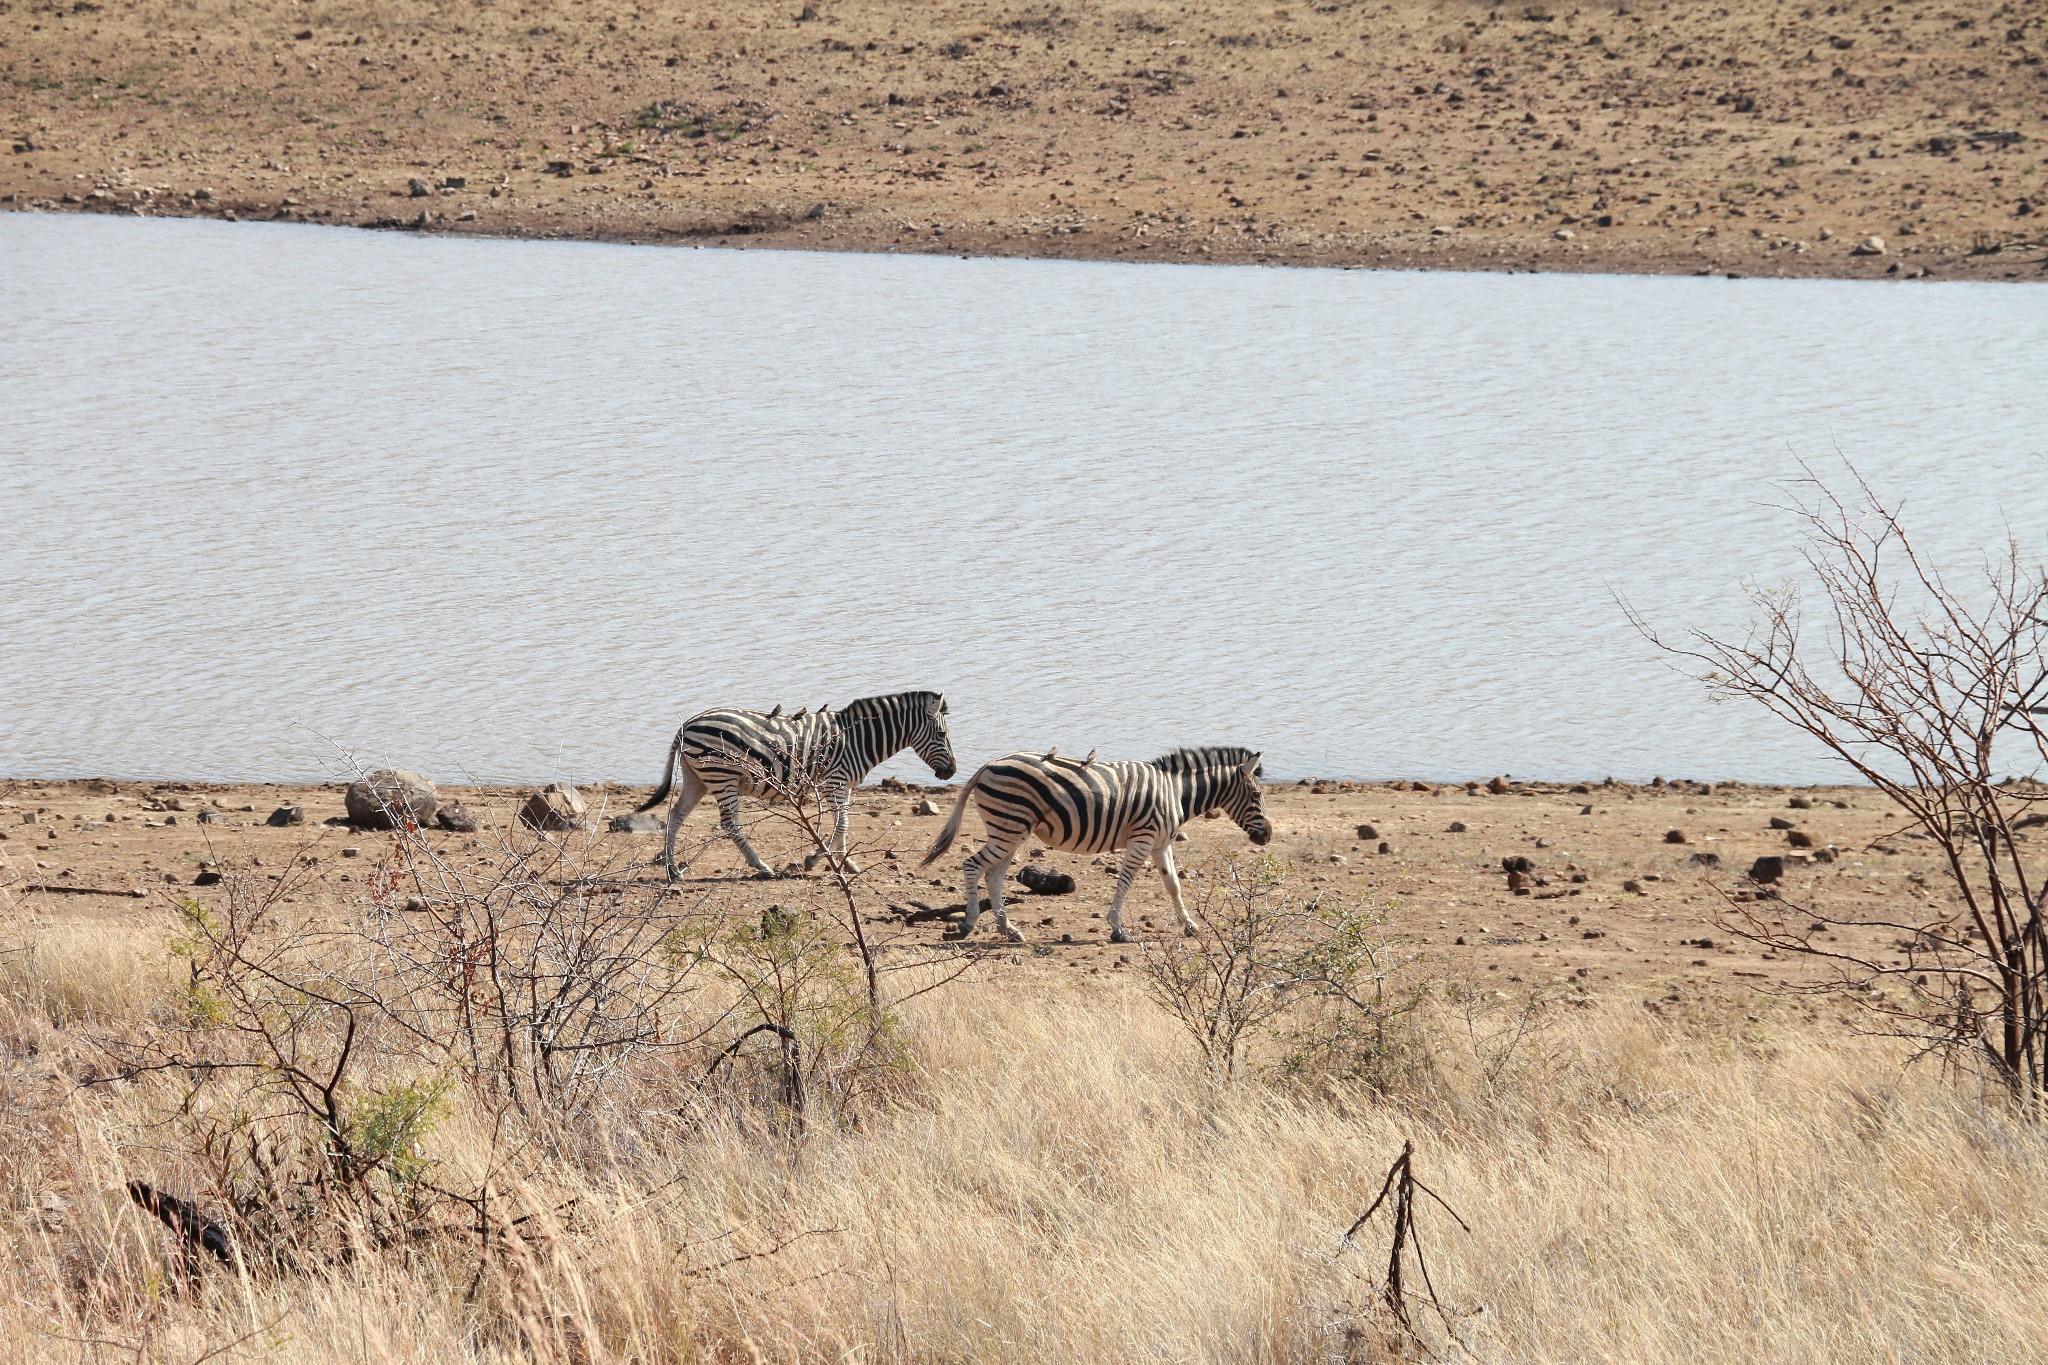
<point>733,753</point>
<point>1084,806</point>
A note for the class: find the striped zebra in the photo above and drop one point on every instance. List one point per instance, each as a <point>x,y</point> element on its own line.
<point>733,753</point>
<point>1087,807</point>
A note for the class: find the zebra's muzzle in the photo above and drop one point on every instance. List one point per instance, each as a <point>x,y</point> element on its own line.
<point>1261,835</point>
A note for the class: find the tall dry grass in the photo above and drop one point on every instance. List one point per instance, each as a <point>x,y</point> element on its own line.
<point>1061,1178</point>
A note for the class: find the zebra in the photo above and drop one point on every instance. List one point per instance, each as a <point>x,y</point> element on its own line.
<point>1084,806</point>
<point>733,753</point>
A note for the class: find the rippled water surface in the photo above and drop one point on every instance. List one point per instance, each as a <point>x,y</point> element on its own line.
<point>512,510</point>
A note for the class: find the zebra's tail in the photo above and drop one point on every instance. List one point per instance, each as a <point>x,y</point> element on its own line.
<point>668,774</point>
<point>952,829</point>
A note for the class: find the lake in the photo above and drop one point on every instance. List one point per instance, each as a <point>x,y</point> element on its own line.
<point>512,510</point>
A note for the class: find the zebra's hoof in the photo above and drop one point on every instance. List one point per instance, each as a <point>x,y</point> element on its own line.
<point>1189,931</point>
<point>764,875</point>
<point>1119,936</point>
<point>1013,935</point>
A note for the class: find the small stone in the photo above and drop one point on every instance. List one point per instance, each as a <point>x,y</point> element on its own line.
<point>1386,847</point>
<point>1675,836</point>
<point>286,815</point>
<point>208,876</point>
<point>1498,786</point>
<point>1869,246</point>
<point>1517,862</point>
<point>1706,860</point>
<point>639,822</point>
<point>1564,234</point>
<point>1780,822</point>
<point>1632,886</point>
<point>1800,803</point>
<point>1767,869</point>
<point>1518,882</point>
<point>1368,832</point>
<point>351,853</point>
<point>1044,881</point>
<point>925,807</point>
<point>456,818</point>
<point>1825,855</point>
<point>1585,810</point>
<point>414,905</point>
<point>1457,827</point>
<point>212,817</point>
<point>418,188</point>
<point>1799,838</point>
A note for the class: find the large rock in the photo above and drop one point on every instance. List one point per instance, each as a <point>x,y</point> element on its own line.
<point>555,807</point>
<point>374,801</point>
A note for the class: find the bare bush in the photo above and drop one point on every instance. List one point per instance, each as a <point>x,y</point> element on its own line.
<point>1927,691</point>
<point>1271,959</point>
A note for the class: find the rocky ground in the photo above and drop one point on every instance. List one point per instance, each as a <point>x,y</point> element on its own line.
<point>1613,901</point>
<point>1759,137</point>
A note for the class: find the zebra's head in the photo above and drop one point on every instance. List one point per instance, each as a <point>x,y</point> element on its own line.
<point>1244,801</point>
<point>928,736</point>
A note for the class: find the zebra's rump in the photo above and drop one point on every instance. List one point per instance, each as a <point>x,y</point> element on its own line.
<point>764,755</point>
<point>1078,807</point>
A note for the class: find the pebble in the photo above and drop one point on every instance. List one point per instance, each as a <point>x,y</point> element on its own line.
<point>1633,886</point>
<point>1675,836</point>
<point>1780,822</point>
<point>1869,246</point>
<point>286,815</point>
<point>1368,832</point>
<point>925,807</point>
<point>1498,786</point>
<point>1767,869</point>
<point>1457,827</point>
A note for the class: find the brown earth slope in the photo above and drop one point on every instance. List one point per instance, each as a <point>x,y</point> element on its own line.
<point>1757,137</point>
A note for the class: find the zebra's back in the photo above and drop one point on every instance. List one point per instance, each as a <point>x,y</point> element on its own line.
<point>1075,806</point>
<point>764,753</point>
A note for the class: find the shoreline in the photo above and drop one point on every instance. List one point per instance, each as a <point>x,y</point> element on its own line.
<point>1523,258</point>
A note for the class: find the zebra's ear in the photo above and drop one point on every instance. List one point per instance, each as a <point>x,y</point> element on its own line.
<point>1250,767</point>
<point>939,706</point>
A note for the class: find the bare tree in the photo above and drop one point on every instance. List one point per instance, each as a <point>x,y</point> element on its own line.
<point>1927,691</point>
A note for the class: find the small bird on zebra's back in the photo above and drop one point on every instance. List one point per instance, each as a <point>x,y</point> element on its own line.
<point>730,753</point>
<point>1085,806</point>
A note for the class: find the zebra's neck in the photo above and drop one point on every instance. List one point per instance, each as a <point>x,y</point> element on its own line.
<point>1198,788</point>
<point>863,742</point>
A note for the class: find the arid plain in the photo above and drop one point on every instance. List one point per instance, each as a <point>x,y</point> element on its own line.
<point>1765,137</point>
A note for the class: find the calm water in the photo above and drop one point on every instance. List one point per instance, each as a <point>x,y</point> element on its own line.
<point>511,510</point>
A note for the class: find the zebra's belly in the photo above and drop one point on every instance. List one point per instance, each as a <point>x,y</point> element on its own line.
<point>1082,840</point>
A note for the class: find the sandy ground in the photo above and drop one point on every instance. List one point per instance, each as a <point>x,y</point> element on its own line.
<point>1754,138</point>
<point>1615,906</point>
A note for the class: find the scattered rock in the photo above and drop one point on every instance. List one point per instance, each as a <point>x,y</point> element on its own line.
<point>1386,847</point>
<point>418,188</point>
<point>1825,855</point>
<point>208,876</point>
<point>1780,822</point>
<point>1368,832</point>
<point>1518,882</point>
<point>1564,234</point>
<point>1517,862</point>
<point>1498,786</point>
<point>456,819</point>
<point>286,815</point>
<point>1706,860</point>
<point>1675,836</point>
<point>1457,827</point>
<point>414,904</point>
<point>212,817</point>
<point>1767,869</point>
<point>639,822</point>
<point>554,808</point>
<point>1632,886</point>
<point>1799,838</point>
<point>374,801</point>
<point>351,853</point>
<point>1869,246</point>
<point>1044,881</point>
<point>1800,803</point>
<point>925,807</point>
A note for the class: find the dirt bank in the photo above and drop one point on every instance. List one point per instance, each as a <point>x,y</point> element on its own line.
<point>1757,138</point>
<point>1615,905</point>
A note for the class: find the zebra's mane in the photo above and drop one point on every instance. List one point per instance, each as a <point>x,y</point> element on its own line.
<point>1207,756</point>
<point>866,706</point>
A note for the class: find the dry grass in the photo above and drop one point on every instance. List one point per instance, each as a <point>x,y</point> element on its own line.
<point>1063,1180</point>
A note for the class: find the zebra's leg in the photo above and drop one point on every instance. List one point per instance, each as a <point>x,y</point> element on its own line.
<point>971,892</point>
<point>686,801</point>
<point>1171,876</point>
<point>842,805</point>
<point>729,825</point>
<point>1135,855</point>
<point>998,873</point>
